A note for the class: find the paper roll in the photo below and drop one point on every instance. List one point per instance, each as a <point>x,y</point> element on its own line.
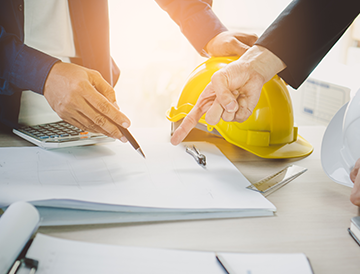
<point>17,225</point>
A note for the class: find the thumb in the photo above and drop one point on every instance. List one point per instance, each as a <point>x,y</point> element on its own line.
<point>247,39</point>
<point>239,48</point>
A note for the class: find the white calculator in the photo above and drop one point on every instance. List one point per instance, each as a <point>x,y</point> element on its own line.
<point>59,134</point>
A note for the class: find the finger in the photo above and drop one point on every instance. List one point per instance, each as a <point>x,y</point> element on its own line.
<point>189,122</point>
<point>355,171</point>
<point>102,105</point>
<point>244,112</point>
<point>237,47</point>
<point>86,124</point>
<point>102,86</point>
<point>81,126</point>
<point>353,174</point>
<point>224,96</point>
<point>248,39</point>
<point>355,192</point>
<point>228,116</point>
<point>214,113</point>
<point>103,114</point>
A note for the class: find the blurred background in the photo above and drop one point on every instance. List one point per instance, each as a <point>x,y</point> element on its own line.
<point>155,60</point>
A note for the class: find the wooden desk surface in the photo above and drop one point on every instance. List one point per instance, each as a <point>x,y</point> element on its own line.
<point>313,215</point>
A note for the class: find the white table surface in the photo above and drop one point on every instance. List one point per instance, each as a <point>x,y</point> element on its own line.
<point>313,214</point>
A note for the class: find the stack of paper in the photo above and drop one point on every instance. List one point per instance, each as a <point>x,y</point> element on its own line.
<point>112,183</point>
<point>64,256</point>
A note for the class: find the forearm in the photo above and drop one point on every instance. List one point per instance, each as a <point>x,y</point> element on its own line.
<point>305,31</point>
<point>196,20</point>
<point>22,67</point>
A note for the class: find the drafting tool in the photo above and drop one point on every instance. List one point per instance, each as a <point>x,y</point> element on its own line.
<point>31,264</point>
<point>199,157</point>
<point>273,182</point>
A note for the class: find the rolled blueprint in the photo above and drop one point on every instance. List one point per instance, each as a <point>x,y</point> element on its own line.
<point>17,225</point>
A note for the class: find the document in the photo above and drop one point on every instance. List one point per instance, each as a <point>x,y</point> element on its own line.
<point>65,256</point>
<point>113,178</point>
<point>56,256</point>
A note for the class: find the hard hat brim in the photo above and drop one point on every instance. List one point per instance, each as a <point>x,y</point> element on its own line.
<point>298,148</point>
<point>330,150</point>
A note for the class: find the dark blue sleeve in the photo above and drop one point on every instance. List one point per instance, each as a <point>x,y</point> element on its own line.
<point>196,20</point>
<point>304,33</point>
<point>21,67</point>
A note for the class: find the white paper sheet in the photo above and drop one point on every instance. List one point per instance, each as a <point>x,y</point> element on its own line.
<point>64,256</point>
<point>295,263</point>
<point>114,178</point>
<point>51,216</point>
<point>17,225</point>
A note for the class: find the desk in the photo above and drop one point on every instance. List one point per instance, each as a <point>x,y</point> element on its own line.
<point>313,215</point>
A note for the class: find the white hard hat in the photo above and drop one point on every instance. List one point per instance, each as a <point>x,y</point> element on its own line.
<point>341,142</point>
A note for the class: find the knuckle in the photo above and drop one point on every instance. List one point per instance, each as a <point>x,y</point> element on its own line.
<point>94,73</point>
<point>63,108</point>
<point>114,132</point>
<point>232,42</point>
<point>253,38</point>
<point>109,93</point>
<point>191,121</point>
<point>220,76</point>
<point>239,117</point>
<point>104,107</point>
<point>100,121</point>
<point>91,127</point>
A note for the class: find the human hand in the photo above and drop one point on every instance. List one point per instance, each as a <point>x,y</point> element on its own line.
<point>208,100</point>
<point>229,43</point>
<point>355,178</point>
<point>83,98</point>
<point>233,92</point>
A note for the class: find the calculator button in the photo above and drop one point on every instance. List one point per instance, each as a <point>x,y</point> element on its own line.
<point>84,133</point>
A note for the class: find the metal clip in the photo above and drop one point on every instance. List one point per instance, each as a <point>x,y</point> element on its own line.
<point>28,263</point>
<point>199,157</point>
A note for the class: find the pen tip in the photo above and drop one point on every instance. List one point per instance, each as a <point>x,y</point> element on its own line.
<point>141,152</point>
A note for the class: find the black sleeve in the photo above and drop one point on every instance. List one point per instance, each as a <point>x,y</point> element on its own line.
<point>196,20</point>
<point>305,31</point>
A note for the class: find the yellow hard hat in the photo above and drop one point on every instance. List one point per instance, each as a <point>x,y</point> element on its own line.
<point>269,132</point>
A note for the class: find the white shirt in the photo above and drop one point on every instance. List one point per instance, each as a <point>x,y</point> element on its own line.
<point>47,28</point>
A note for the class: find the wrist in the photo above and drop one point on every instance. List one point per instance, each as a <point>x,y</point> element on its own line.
<point>52,71</point>
<point>263,61</point>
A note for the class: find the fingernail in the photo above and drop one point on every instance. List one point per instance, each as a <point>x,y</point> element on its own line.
<point>231,106</point>
<point>174,141</point>
<point>116,105</point>
<point>125,125</point>
<point>123,139</point>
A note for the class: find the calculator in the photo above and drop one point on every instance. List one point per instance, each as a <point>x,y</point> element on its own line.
<point>59,134</point>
